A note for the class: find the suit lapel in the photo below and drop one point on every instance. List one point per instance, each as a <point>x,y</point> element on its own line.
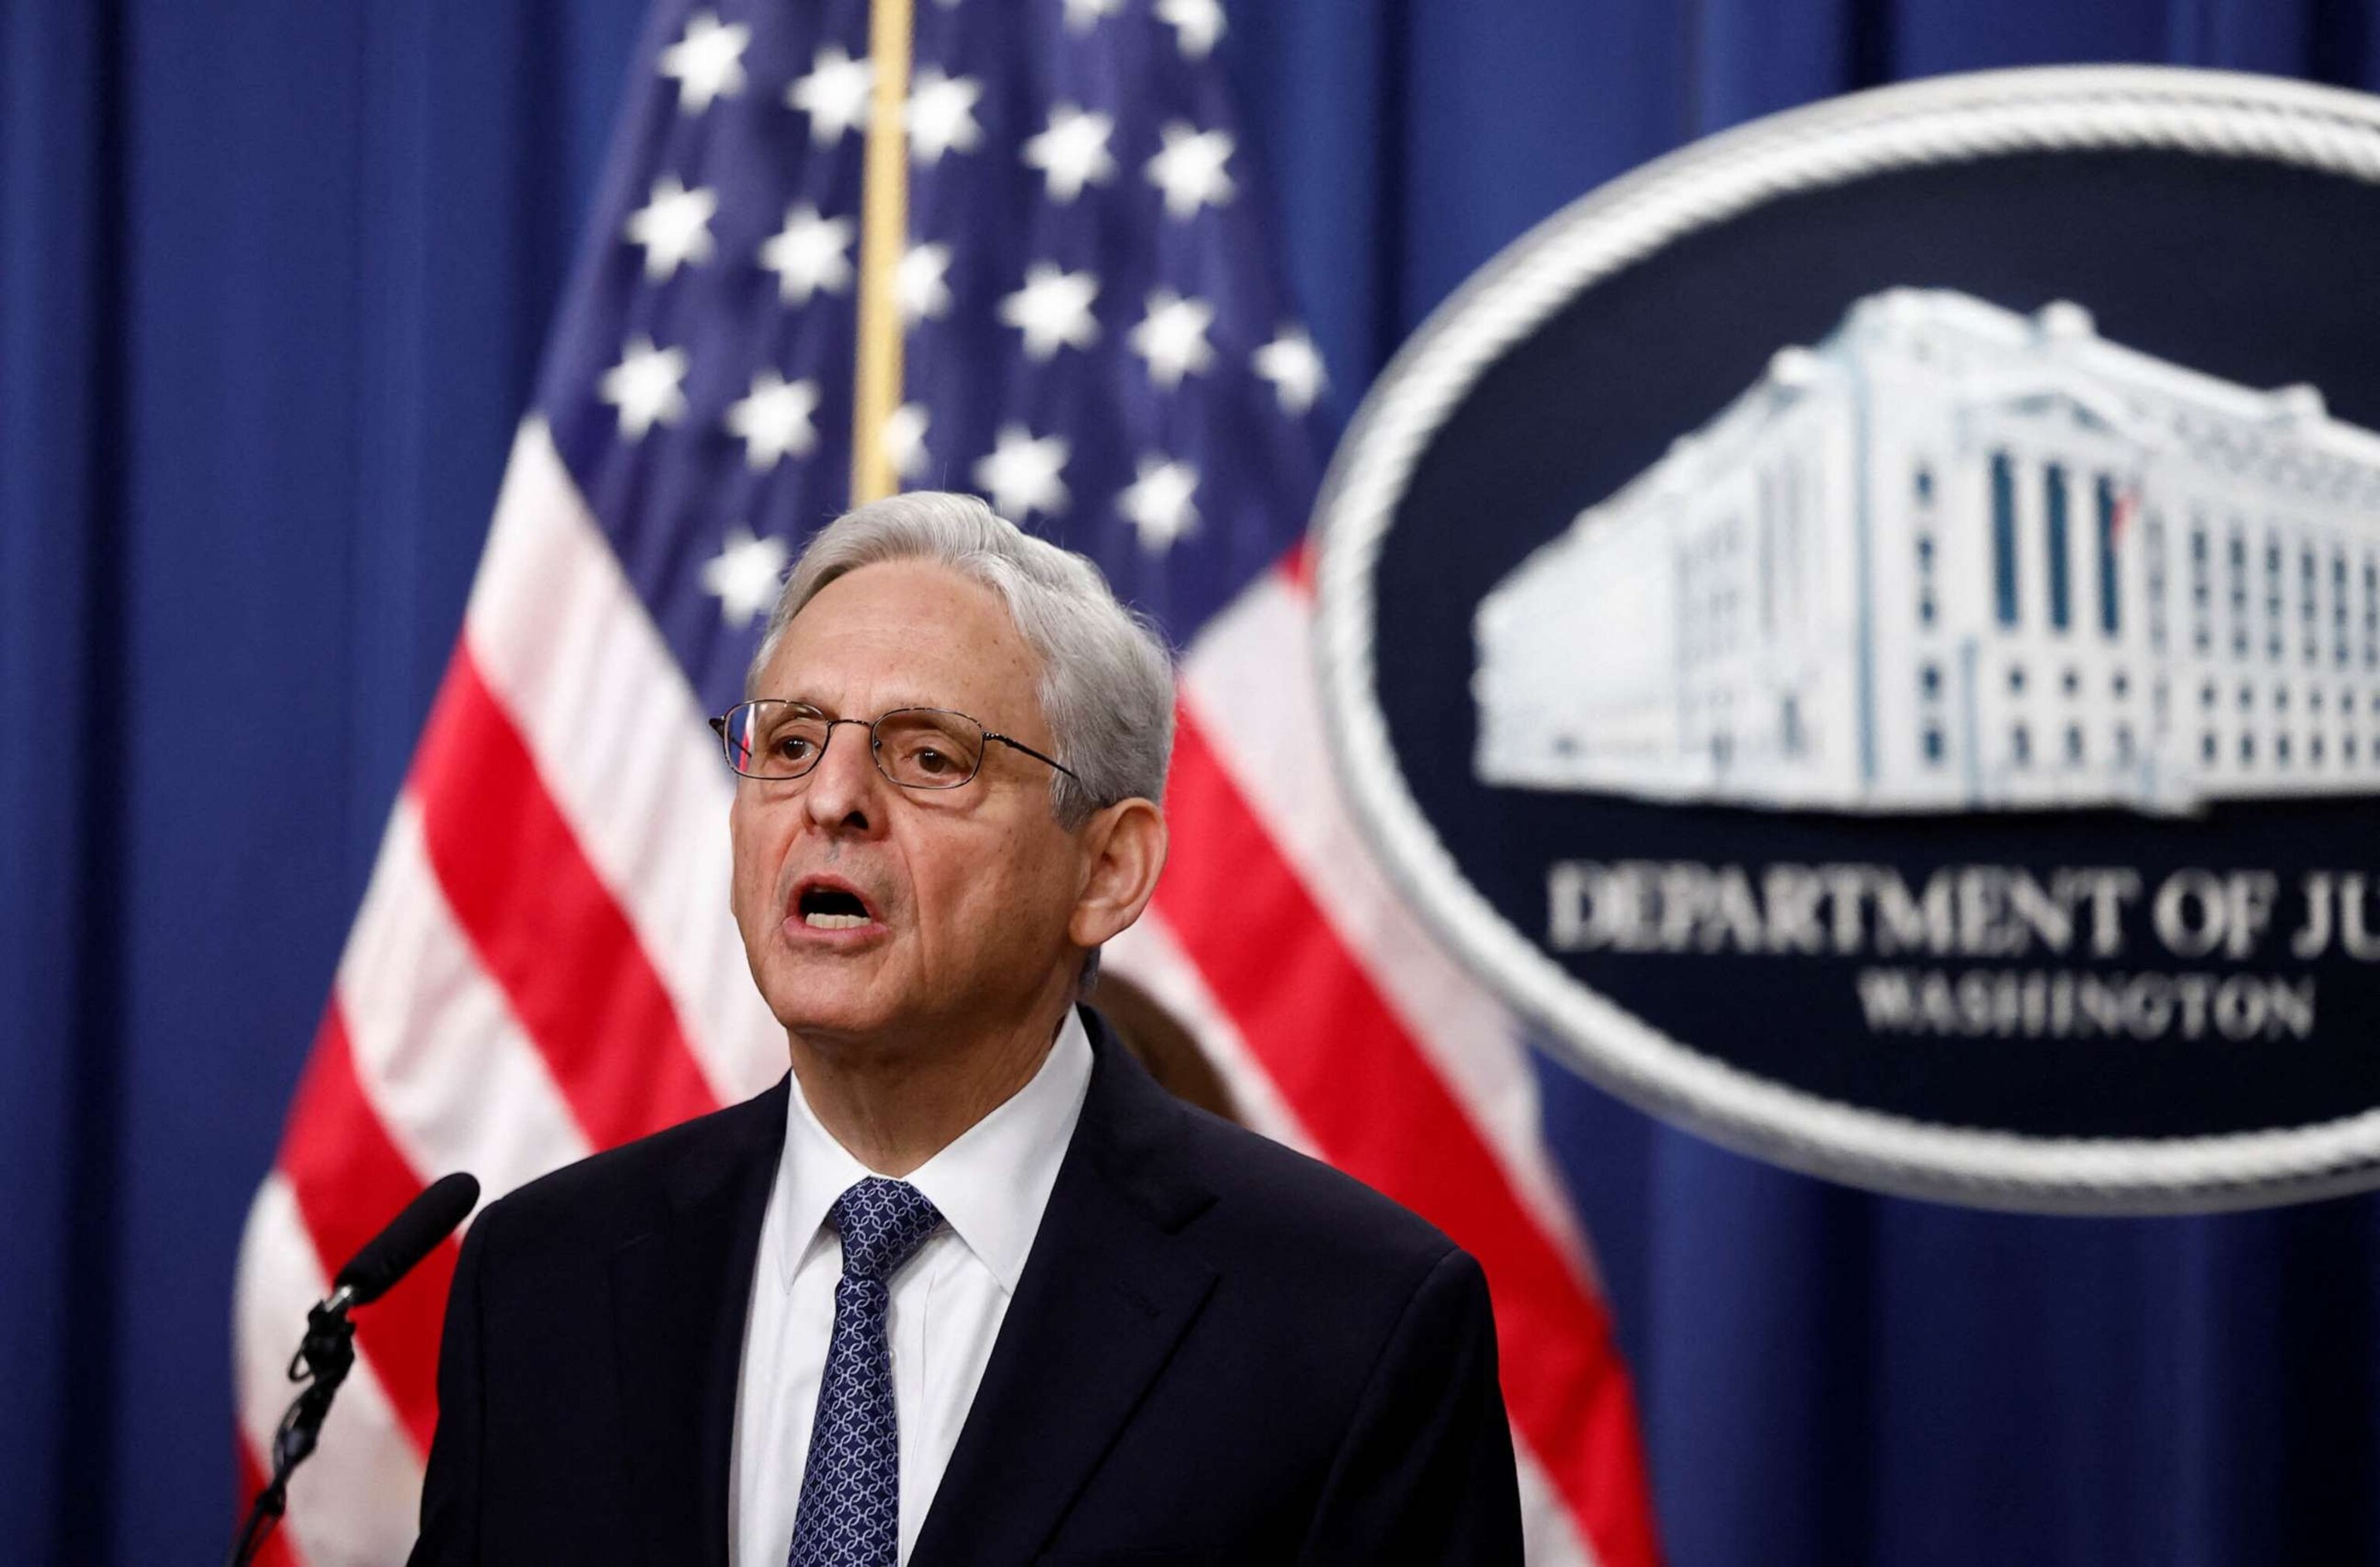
<point>1106,1296</point>
<point>680,1292</point>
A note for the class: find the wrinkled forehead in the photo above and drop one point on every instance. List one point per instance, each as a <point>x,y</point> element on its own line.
<point>906,633</point>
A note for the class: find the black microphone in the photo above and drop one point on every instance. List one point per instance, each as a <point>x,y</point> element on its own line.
<point>328,1352</point>
<point>410,1237</point>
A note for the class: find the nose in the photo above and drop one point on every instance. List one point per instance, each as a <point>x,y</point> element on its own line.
<point>842,791</point>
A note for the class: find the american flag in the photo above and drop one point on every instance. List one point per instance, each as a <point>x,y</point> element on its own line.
<point>1095,335</point>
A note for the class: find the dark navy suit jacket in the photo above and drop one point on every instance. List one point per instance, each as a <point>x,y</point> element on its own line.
<point>1220,1352</point>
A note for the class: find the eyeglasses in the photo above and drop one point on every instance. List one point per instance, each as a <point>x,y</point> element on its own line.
<point>916,748</point>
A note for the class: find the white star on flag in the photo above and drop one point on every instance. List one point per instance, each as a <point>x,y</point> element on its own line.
<point>644,387</point>
<point>919,285</point>
<point>1197,24</point>
<point>1158,503</point>
<point>1172,337</point>
<point>1189,168</point>
<point>834,94</point>
<point>1052,309</point>
<point>774,419</point>
<point>745,575</point>
<point>1072,152</point>
<point>1021,474</point>
<point>1084,15</point>
<point>941,116</point>
<point>807,254</point>
<point>707,62</point>
<point>1293,366</point>
<point>905,438</point>
<point>675,227</point>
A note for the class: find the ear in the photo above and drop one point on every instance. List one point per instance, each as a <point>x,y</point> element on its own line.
<point>1126,844</point>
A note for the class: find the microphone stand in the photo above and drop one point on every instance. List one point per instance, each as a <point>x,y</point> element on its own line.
<point>320,1363</point>
<point>328,1352</point>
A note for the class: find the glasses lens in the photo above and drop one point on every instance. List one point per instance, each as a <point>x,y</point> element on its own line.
<point>773,740</point>
<point>927,748</point>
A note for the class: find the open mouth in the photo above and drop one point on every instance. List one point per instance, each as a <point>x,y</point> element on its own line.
<point>823,907</point>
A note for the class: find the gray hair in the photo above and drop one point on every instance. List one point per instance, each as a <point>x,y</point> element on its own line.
<point>1107,680</point>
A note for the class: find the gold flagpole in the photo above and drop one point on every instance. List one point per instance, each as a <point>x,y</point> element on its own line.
<point>883,234</point>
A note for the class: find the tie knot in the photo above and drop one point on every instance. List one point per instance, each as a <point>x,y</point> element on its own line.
<point>883,1224</point>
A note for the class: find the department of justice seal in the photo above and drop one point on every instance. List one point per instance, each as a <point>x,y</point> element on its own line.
<point>1867,630</point>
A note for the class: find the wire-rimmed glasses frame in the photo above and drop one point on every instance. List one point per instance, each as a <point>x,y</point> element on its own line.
<point>922,740</point>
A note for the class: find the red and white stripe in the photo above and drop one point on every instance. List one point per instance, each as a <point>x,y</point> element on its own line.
<point>1385,1058</point>
<point>544,965</point>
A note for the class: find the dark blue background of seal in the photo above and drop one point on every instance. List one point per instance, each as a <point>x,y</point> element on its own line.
<point>2251,271</point>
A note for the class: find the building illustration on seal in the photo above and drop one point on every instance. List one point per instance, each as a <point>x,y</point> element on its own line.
<point>1957,558</point>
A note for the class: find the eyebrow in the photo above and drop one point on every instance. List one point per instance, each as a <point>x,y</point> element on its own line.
<point>822,710</point>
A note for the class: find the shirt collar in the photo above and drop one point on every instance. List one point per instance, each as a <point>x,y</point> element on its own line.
<point>991,1184</point>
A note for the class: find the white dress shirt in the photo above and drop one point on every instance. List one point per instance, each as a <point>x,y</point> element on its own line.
<point>991,1186</point>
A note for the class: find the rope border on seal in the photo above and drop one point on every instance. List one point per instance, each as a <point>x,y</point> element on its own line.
<point>1947,120</point>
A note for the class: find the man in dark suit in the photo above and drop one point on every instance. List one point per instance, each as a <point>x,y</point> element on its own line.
<point>968,1287</point>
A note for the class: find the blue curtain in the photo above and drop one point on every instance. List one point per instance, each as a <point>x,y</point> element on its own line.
<point>273,283</point>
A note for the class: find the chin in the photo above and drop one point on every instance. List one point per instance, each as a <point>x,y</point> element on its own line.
<point>800,973</point>
<point>809,1011</point>
<point>814,1004</point>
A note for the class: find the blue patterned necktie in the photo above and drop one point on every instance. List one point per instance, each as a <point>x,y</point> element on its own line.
<point>850,1510</point>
